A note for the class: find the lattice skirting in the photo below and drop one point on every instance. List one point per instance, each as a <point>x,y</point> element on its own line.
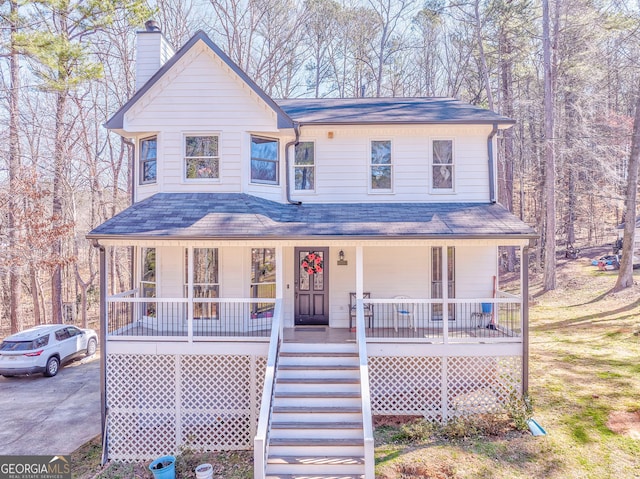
<point>403,385</point>
<point>160,404</point>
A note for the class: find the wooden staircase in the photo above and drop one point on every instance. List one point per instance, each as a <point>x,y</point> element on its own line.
<point>316,421</point>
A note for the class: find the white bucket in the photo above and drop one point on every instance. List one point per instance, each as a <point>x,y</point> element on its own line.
<point>204,471</point>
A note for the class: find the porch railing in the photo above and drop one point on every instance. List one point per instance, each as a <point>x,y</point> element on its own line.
<point>496,319</point>
<point>365,394</point>
<point>260,442</point>
<point>130,315</point>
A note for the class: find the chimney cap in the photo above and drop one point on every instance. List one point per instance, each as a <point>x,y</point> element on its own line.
<point>151,26</point>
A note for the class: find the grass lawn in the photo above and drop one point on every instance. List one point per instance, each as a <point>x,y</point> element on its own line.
<point>584,381</point>
<point>585,384</point>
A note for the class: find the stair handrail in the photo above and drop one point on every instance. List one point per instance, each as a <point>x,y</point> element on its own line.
<point>260,444</point>
<point>365,395</point>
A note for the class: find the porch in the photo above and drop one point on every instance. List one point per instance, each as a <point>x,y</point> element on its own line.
<point>430,321</point>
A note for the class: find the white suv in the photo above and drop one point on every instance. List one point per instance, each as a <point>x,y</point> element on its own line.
<point>42,349</point>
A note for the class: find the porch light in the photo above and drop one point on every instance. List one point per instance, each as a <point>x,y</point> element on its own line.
<point>341,260</point>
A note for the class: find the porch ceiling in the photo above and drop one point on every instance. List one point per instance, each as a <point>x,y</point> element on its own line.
<point>241,216</point>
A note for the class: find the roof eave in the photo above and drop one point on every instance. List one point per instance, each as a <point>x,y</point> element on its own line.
<point>141,237</point>
<point>506,123</point>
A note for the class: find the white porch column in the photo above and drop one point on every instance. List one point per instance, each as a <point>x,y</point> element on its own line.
<point>279,273</point>
<point>445,294</point>
<point>190,293</point>
<point>280,282</point>
<point>359,272</point>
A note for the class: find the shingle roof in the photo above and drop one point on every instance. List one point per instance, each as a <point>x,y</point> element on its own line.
<point>331,111</point>
<point>241,216</point>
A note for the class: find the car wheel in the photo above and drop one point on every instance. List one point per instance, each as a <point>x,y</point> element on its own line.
<point>92,345</point>
<point>51,369</point>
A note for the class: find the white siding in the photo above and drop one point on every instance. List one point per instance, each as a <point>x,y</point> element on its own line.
<point>202,95</point>
<point>170,271</point>
<point>342,163</point>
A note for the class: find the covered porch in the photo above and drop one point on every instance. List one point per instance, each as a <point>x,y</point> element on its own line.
<point>184,291</point>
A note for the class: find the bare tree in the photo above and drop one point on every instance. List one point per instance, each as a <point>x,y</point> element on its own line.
<point>549,157</point>
<point>625,275</point>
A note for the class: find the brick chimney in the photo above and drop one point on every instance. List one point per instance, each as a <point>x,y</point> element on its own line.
<point>153,51</point>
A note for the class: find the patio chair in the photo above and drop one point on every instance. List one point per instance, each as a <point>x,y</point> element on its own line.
<point>368,309</point>
<point>403,310</point>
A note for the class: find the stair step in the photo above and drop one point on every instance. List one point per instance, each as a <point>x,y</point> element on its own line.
<point>314,476</point>
<point>318,380</point>
<point>297,441</point>
<point>316,410</point>
<point>319,354</point>
<point>311,367</point>
<point>330,395</point>
<point>315,460</point>
<point>316,425</point>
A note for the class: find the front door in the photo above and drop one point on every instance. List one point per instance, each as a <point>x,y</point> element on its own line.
<point>311,286</point>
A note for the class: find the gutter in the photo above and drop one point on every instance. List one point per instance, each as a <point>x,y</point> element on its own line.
<point>316,237</point>
<point>287,147</point>
<point>492,188</point>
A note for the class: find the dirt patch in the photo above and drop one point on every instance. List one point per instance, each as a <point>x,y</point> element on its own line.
<point>393,421</point>
<point>625,423</point>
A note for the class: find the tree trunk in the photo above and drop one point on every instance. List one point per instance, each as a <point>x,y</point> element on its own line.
<point>35,295</point>
<point>625,275</point>
<point>14,226</point>
<point>549,158</point>
<point>57,209</point>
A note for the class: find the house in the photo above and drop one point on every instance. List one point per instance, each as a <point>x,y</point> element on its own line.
<point>302,265</point>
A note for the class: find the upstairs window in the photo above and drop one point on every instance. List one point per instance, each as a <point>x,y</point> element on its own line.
<point>304,166</point>
<point>381,167</point>
<point>264,160</point>
<point>201,158</point>
<point>148,160</point>
<point>442,165</point>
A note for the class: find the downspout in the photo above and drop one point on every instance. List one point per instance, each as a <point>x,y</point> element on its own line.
<point>524,260</point>
<point>287,147</point>
<point>103,347</point>
<point>492,189</point>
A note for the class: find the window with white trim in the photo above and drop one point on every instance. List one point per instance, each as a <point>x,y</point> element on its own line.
<point>263,281</point>
<point>148,160</point>
<point>304,171</point>
<point>205,281</point>
<point>442,167</point>
<point>264,160</point>
<point>148,280</point>
<point>381,168</point>
<point>201,157</point>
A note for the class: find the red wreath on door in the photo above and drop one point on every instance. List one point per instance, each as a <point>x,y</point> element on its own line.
<point>312,263</point>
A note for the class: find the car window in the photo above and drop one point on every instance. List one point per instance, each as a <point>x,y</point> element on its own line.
<point>40,342</point>
<point>73,331</point>
<point>16,346</point>
<point>62,334</point>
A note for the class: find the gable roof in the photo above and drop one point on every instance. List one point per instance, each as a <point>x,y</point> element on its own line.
<point>242,216</point>
<point>349,111</point>
<point>116,122</point>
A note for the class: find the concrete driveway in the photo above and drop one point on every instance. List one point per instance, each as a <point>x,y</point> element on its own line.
<point>49,416</point>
